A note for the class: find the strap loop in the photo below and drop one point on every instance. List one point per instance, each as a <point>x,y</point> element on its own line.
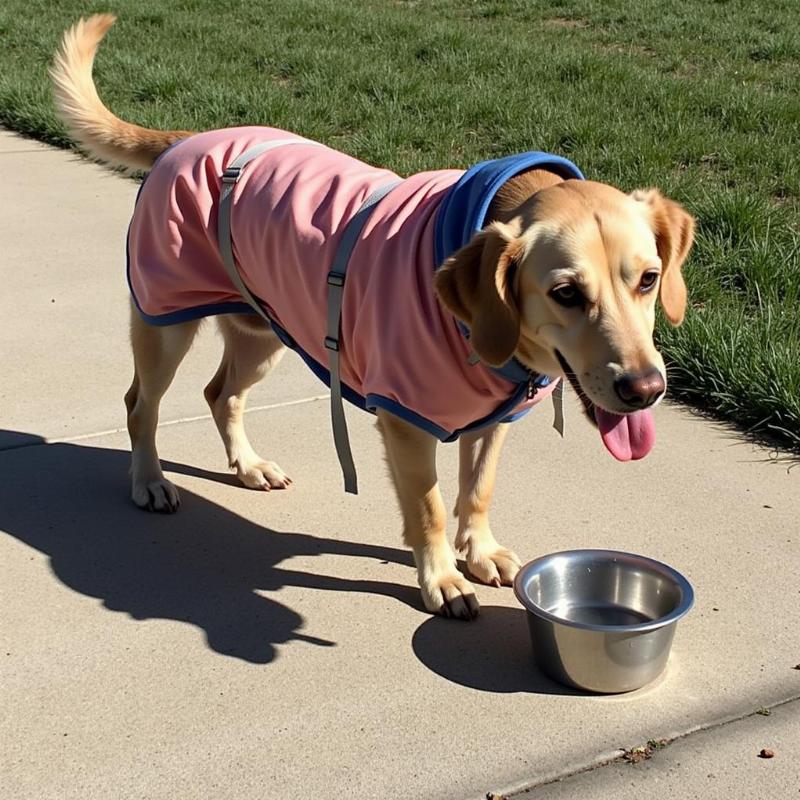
<point>231,174</point>
<point>335,279</point>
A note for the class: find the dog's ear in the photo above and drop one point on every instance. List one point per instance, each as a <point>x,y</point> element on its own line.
<point>474,285</point>
<point>674,231</point>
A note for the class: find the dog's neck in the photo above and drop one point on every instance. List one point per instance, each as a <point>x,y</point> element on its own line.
<point>513,194</point>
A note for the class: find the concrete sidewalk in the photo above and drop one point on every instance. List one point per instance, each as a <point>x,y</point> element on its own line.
<point>722,763</point>
<point>259,645</point>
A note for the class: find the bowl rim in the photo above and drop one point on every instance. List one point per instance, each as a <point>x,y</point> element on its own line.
<point>685,605</point>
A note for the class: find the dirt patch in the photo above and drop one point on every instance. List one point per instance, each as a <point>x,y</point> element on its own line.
<point>566,22</point>
<point>687,71</point>
<point>626,49</point>
<point>636,755</point>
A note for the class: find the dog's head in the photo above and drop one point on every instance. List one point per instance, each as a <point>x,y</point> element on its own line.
<point>569,286</point>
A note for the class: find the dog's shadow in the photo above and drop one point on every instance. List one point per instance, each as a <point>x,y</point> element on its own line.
<point>206,565</point>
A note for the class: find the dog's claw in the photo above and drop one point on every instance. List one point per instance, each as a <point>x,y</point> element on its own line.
<point>451,596</point>
<point>458,608</point>
<point>265,475</point>
<point>159,496</point>
<point>164,504</point>
<point>473,606</point>
<point>495,567</point>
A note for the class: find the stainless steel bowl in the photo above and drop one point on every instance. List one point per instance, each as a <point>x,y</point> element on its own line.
<point>602,620</point>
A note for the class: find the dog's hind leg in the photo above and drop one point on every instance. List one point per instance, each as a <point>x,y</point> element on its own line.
<point>251,350</point>
<point>478,455</point>
<point>157,352</point>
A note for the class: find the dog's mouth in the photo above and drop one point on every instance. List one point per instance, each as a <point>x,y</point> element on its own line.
<point>628,437</point>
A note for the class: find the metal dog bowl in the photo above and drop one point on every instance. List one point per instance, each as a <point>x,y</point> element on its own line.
<point>602,620</point>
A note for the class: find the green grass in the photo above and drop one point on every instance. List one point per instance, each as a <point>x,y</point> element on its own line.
<point>696,97</point>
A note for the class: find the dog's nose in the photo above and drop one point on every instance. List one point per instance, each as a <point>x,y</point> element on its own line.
<point>642,390</point>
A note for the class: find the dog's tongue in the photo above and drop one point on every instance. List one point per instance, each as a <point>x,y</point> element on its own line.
<point>627,437</point>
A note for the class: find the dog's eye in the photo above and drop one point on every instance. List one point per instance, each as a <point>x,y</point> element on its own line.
<point>649,280</point>
<point>567,295</point>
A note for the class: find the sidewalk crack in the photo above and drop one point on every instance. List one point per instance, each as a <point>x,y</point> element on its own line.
<point>166,424</point>
<point>632,754</point>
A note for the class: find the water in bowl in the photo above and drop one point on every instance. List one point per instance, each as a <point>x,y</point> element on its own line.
<point>602,614</point>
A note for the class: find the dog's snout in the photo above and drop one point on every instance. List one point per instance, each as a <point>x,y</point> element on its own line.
<point>642,390</point>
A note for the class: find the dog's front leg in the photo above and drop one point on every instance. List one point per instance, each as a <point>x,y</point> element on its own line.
<point>411,455</point>
<point>488,561</point>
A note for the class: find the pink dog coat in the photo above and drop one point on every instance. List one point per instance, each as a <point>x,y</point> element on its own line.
<point>401,350</point>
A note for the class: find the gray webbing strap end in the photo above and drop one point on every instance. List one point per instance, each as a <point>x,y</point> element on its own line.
<point>341,439</point>
<point>558,407</point>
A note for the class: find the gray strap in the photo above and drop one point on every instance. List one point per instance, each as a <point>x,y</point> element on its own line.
<point>558,407</point>
<point>336,279</point>
<point>230,177</point>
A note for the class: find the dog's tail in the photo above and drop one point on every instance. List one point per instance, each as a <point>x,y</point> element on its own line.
<point>88,121</point>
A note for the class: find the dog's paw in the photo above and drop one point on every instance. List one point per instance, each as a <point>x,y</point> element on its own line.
<point>265,475</point>
<point>450,595</point>
<point>158,495</point>
<point>493,564</point>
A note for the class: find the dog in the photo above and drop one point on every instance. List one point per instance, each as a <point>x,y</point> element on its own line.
<point>552,277</point>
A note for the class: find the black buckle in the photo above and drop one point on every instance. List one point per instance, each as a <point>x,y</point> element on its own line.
<point>335,279</point>
<point>331,344</point>
<point>231,174</point>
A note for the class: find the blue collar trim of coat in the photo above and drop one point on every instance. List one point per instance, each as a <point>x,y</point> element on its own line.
<point>462,214</point>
